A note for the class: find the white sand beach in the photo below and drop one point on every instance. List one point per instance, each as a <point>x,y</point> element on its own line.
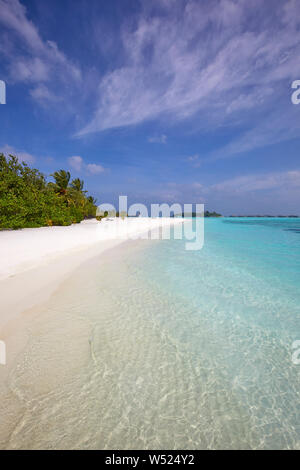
<point>35,261</point>
<point>36,265</point>
<point>25,249</point>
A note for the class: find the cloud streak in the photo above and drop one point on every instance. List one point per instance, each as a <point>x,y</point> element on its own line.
<point>258,193</point>
<point>158,139</point>
<point>31,59</point>
<point>207,65</point>
<point>212,61</point>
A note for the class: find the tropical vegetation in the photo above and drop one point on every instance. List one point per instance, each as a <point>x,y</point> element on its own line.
<point>27,199</point>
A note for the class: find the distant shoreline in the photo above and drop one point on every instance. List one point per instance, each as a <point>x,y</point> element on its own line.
<point>264,216</point>
<point>219,216</point>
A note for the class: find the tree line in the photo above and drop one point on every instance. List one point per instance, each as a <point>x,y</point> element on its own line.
<point>28,200</point>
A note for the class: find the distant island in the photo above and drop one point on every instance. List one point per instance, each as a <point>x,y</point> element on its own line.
<point>267,216</point>
<point>199,214</point>
<point>212,214</point>
<point>215,214</point>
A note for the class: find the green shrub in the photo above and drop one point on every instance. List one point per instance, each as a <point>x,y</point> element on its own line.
<point>27,200</point>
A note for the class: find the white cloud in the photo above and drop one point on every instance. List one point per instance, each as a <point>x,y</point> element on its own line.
<point>205,59</point>
<point>40,60</point>
<point>42,94</point>
<point>277,126</point>
<point>244,184</point>
<point>22,156</point>
<point>13,14</point>
<point>77,163</point>
<point>259,193</point>
<point>220,62</point>
<point>159,139</point>
<point>260,182</point>
<point>194,160</point>
<point>32,70</point>
<point>94,169</point>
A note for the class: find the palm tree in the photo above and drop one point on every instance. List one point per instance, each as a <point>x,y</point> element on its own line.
<point>92,200</point>
<point>62,179</point>
<point>78,184</point>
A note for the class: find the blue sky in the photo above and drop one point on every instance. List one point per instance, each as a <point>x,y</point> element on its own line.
<point>163,100</point>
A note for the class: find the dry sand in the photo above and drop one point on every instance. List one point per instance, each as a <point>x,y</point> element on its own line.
<point>34,262</point>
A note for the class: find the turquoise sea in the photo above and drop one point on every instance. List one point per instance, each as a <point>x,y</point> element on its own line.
<point>156,347</point>
<point>239,314</point>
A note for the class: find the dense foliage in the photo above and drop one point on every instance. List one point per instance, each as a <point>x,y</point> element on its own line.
<point>28,200</point>
<point>211,214</point>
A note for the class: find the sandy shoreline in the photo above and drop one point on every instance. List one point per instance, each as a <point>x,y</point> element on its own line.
<point>52,346</point>
<point>34,262</point>
<point>25,249</point>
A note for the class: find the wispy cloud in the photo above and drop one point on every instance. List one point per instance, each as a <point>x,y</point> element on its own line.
<point>43,95</point>
<point>276,126</point>
<point>194,160</point>
<point>222,63</point>
<point>21,155</point>
<point>257,193</point>
<point>76,163</point>
<point>31,59</point>
<point>227,59</point>
<point>158,139</point>
<point>260,182</point>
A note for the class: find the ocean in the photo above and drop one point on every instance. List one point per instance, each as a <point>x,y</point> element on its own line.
<point>152,346</point>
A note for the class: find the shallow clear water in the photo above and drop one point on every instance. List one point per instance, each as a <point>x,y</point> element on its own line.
<point>158,347</point>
